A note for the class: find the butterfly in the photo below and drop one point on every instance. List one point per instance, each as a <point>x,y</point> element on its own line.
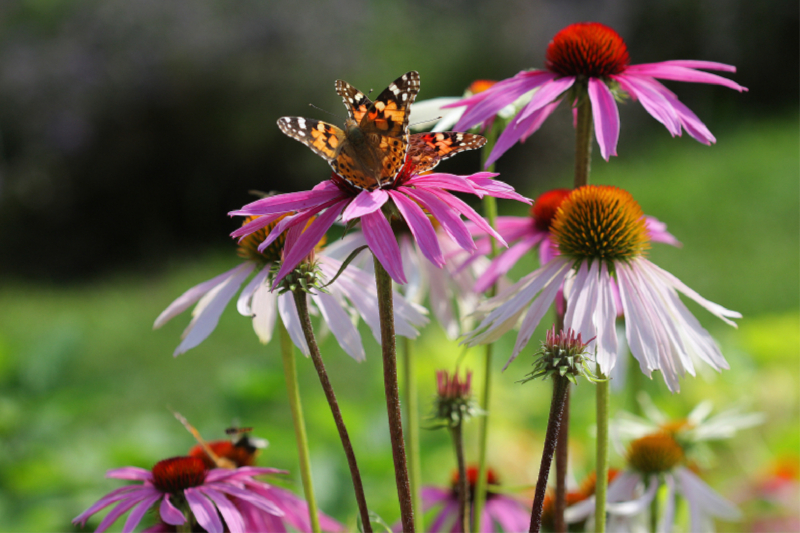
<point>375,145</point>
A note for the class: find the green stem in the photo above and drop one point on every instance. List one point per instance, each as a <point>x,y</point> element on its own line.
<point>560,390</point>
<point>490,211</point>
<point>602,453</point>
<point>383,283</point>
<point>463,484</point>
<point>562,456</point>
<point>583,143</point>
<point>412,424</point>
<point>305,321</point>
<point>654,514</point>
<point>290,373</point>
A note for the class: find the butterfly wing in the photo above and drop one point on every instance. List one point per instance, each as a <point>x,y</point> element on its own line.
<point>426,150</point>
<point>323,138</point>
<point>355,101</point>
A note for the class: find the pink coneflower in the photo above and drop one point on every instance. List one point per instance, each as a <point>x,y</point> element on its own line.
<point>499,509</point>
<point>405,199</point>
<point>526,233</point>
<point>592,60</point>
<point>602,236</point>
<point>349,295</point>
<point>186,486</point>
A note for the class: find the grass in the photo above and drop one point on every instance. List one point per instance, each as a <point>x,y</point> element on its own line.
<point>85,384</point>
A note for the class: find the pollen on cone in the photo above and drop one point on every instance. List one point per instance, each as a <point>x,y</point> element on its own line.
<point>658,452</point>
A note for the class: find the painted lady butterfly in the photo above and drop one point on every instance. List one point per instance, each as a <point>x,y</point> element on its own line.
<point>371,149</point>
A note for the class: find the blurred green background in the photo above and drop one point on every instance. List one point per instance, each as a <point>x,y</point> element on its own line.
<point>130,129</point>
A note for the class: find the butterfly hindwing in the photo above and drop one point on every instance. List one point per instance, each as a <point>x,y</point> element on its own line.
<point>426,150</point>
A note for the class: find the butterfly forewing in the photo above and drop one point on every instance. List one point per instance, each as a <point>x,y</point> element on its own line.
<point>355,101</point>
<point>324,139</point>
<point>426,150</point>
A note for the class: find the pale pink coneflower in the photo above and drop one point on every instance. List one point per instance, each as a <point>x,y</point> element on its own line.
<point>653,459</point>
<point>405,198</point>
<point>186,487</point>
<point>602,236</point>
<point>346,299</point>
<point>591,60</point>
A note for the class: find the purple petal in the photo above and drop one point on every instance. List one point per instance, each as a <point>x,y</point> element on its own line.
<point>366,202</point>
<point>460,206</point>
<point>309,239</point>
<point>204,511</point>
<point>449,511</point>
<point>136,515</point>
<point>653,101</point>
<point>255,225</point>
<point>520,130</point>
<point>503,263</point>
<point>121,508</point>
<point>445,215</point>
<point>485,183</point>
<point>383,243</point>
<point>293,221</point>
<point>231,515</point>
<point>242,473</point>
<point>341,325</point>
<point>130,492</point>
<point>433,495</point>
<point>665,71</point>
<point>658,232</point>
<point>134,472</point>
<point>546,94</point>
<point>606,117</point>
<point>181,304</point>
<point>421,228</point>
<point>693,125</point>
<point>509,513</point>
<point>249,495</point>
<point>169,513</point>
<point>210,308</point>
<point>294,201</point>
<point>692,63</point>
<point>449,182</point>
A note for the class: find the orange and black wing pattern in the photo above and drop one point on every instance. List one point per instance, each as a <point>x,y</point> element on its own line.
<point>426,150</point>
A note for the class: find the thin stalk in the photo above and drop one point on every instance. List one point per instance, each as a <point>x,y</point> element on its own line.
<point>562,457</point>
<point>560,389</point>
<point>463,482</point>
<point>602,453</point>
<point>583,143</point>
<point>305,321</point>
<point>490,212</point>
<point>290,373</point>
<point>383,283</point>
<point>412,424</point>
<point>654,514</point>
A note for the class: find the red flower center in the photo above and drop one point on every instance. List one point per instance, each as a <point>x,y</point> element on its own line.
<point>587,48</point>
<point>472,480</point>
<point>175,474</point>
<point>545,207</point>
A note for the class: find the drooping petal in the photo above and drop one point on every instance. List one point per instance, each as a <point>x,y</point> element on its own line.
<point>366,202</point>
<point>130,472</point>
<point>658,232</point>
<point>293,201</point>
<point>430,110</point>
<point>138,512</point>
<point>248,495</point>
<point>485,183</point>
<point>503,262</point>
<point>207,312</point>
<point>666,71</point>
<point>450,182</point>
<point>445,215</point>
<point>666,522</point>
<point>520,130</point>
<point>185,300</point>
<point>693,125</point>
<point>420,226</point>
<point>308,240</point>
<point>263,309</point>
<point>652,100</point>
<point>169,513</point>
<point>703,501</point>
<point>546,94</point>
<point>255,225</point>
<point>121,508</point>
<point>606,117</point>
<point>637,505</point>
<point>383,243</point>
<point>203,510</point>
<point>693,63</point>
<point>122,493</point>
<point>605,322</point>
<point>459,205</point>
<point>449,511</point>
<point>341,325</point>
<point>291,321</point>
<point>231,515</point>
<point>243,304</point>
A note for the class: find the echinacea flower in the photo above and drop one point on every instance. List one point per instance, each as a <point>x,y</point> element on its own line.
<point>654,459</point>
<point>185,486</point>
<point>591,60</point>
<point>499,509</point>
<point>258,301</point>
<point>405,198</point>
<point>602,235</point>
<point>585,491</point>
<point>523,234</point>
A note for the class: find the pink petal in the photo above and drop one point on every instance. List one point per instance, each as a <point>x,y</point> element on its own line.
<point>136,515</point>
<point>249,496</point>
<point>182,304</point>
<point>658,232</point>
<point>693,125</point>
<point>443,181</point>
<point>383,243</point>
<point>169,513</point>
<point>366,202</point>
<point>460,206</point>
<point>294,201</point>
<point>445,215</point>
<point>665,71</point>
<point>421,228</point>
<point>485,183</point>
<point>546,94</point>
<point>133,472</point>
<point>606,117</point>
<point>537,118</point>
<point>231,515</point>
<point>246,296</point>
<point>503,263</point>
<point>520,129</point>
<point>309,239</point>
<point>121,508</point>
<point>291,321</point>
<point>291,221</point>
<point>341,325</point>
<point>255,225</point>
<point>693,63</point>
<point>653,101</point>
<point>204,511</point>
<point>134,493</point>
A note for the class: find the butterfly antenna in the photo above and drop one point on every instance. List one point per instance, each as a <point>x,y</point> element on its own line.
<point>326,112</point>
<point>219,461</point>
<point>425,122</point>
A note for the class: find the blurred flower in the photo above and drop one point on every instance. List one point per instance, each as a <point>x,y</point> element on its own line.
<point>585,491</point>
<point>591,60</point>
<point>426,111</point>
<point>652,458</point>
<point>600,232</point>
<point>454,403</point>
<point>775,494</point>
<point>534,230</point>
<point>186,487</point>
<point>343,301</point>
<point>409,194</point>
<point>499,509</point>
